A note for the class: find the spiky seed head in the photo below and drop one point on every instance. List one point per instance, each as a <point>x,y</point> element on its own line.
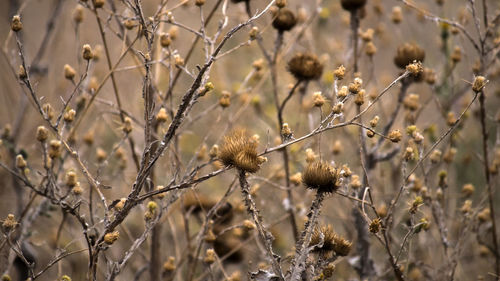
<point>240,151</point>
<point>322,177</point>
<point>305,66</point>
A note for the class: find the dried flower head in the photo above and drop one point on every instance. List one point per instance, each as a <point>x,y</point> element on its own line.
<point>42,134</point>
<point>240,151</point>
<point>322,177</point>
<point>407,53</point>
<point>305,66</point>
<point>284,20</point>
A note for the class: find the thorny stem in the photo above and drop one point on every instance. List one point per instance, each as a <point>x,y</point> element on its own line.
<point>484,133</point>
<point>298,263</point>
<point>264,234</point>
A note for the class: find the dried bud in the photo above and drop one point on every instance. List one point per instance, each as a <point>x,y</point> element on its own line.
<point>71,179</point>
<point>479,83</point>
<point>169,265</point>
<point>165,40</point>
<point>397,14</point>
<point>69,72</point>
<point>162,115</point>
<point>69,116</point>
<point>55,149</point>
<point>456,56</point>
<point>9,223</point>
<point>281,3</point>
<point>20,162</point>
<point>468,190</point>
<point>318,99</point>
<point>98,3</point>
<point>21,73</point>
<point>339,73</point>
<point>87,52</point>
<point>101,155</point>
<point>16,25</point>
<point>127,125</point>
<point>375,226</point>
<point>395,136</point>
<point>78,14</point>
<point>254,32</point>
<point>209,256</point>
<point>374,121</point>
<point>42,134</point>
<point>343,92</point>
<point>370,49</point>
<point>225,99</point>
<point>111,237</point>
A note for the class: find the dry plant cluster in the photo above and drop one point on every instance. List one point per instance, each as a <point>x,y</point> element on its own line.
<point>249,140</point>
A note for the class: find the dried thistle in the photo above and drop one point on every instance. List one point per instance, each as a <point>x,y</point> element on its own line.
<point>240,151</point>
<point>407,53</point>
<point>305,66</point>
<point>321,177</point>
<point>284,20</point>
